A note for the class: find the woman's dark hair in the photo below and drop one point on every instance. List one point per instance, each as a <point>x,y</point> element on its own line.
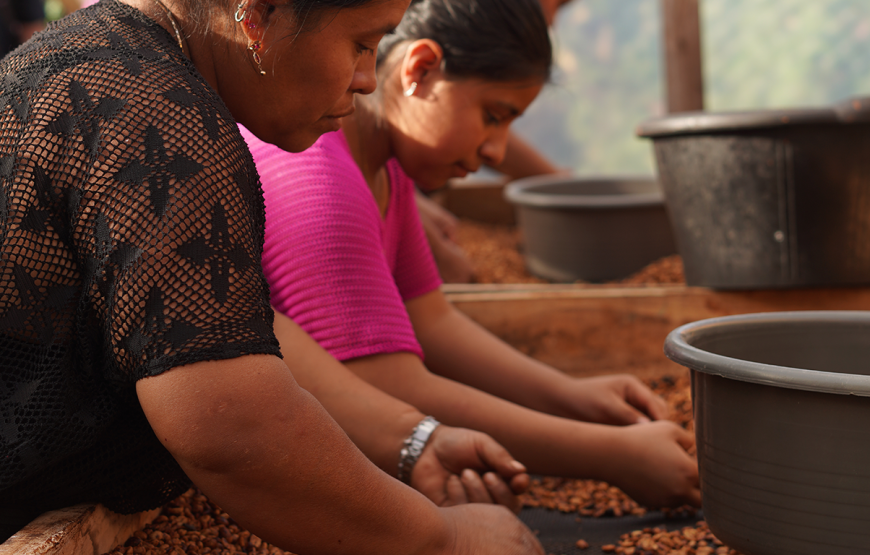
<point>308,11</point>
<point>305,12</point>
<point>495,40</point>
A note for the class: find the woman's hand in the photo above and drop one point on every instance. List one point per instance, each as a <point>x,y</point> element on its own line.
<point>619,399</point>
<point>651,463</point>
<point>463,466</point>
<point>484,529</point>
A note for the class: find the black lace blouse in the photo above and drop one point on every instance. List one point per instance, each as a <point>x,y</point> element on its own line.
<point>131,219</point>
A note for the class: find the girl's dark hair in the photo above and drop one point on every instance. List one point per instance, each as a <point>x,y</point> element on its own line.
<point>495,40</point>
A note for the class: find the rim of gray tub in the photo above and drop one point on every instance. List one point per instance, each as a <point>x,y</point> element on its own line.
<point>517,192</point>
<point>678,349</point>
<point>851,110</point>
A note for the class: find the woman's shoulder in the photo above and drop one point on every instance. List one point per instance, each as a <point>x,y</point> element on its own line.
<point>115,54</point>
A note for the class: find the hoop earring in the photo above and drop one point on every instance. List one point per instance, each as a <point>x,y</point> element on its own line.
<point>255,47</point>
<point>410,90</point>
<point>240,12</point>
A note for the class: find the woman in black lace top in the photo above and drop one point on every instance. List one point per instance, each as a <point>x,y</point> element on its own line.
<point>135,328</point>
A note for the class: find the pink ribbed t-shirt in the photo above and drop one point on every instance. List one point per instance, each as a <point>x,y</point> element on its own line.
<point>334,265</point>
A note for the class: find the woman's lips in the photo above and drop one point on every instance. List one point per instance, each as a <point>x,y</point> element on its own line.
<point>343,114</point>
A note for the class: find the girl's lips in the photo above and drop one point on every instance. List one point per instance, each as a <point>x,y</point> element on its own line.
<point>459,170</point>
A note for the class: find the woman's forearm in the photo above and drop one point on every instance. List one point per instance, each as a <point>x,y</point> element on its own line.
<point>545,444</point>
<point>388,421</point>
<point>269,454</point>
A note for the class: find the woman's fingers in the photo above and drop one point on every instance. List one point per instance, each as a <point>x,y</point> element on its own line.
<point>475,489</point>
<point>500,492</point>
<point>455,492</point>
<point>520,483</point>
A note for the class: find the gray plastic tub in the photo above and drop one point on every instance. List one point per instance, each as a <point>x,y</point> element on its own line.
<point>782,420</point>
<point>768,198</point>
<point>590,229</point>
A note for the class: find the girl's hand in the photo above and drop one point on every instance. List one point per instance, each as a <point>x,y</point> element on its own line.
<point>460,466</point>
<point>436,218</point>
<point>651,463</point>
<point>619,399</point>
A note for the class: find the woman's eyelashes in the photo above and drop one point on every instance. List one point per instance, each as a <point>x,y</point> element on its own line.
<point>363,49</point>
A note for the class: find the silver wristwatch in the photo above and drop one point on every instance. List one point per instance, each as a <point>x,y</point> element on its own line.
<point>413,447</point>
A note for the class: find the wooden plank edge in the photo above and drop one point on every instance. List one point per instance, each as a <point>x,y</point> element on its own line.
<point>530,291</point>
<point>80,530</point>
<point>535,291</point>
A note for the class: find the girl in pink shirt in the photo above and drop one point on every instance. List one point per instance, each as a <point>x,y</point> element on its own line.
<point>346,258</point>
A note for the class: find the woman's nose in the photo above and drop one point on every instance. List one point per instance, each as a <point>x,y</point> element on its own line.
<point>365,78</point>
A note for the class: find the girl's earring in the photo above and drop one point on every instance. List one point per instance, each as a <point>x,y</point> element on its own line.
<point>410,90</point>
<point>255,47</point>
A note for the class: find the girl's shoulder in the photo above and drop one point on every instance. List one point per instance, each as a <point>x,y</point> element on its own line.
<point>327,168</point>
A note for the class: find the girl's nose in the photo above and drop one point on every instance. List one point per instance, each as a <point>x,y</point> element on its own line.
<point>493,149</point>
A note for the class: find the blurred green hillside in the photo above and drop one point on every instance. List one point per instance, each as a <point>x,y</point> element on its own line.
<point>756,54</point>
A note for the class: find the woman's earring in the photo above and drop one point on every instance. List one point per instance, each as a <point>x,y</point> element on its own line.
<point>240,12</point>
<point>255,47</point>
<point>410,90</point>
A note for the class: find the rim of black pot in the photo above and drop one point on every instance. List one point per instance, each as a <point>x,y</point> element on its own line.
<point>678,348</point>
<point>521,192</point>
<point>852,110</point>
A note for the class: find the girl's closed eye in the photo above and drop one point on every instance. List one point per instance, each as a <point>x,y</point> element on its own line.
<point>491,118</point>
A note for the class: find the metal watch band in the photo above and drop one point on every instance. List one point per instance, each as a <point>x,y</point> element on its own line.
<point>413,447</point>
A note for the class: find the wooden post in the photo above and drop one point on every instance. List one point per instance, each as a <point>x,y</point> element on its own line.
<point>684,82</point>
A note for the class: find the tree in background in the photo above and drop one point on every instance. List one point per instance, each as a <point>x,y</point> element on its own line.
<point>756,55</point>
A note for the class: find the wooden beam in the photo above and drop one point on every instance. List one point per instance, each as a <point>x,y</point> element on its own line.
<point>684,80</point>
<point>586,330</point>
<point>79,530</point>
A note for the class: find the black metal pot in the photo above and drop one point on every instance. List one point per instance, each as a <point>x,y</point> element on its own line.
<point>768,198</point>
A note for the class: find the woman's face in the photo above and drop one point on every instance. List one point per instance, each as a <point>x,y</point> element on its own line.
<point>449,128</point>
<point>311,77</point>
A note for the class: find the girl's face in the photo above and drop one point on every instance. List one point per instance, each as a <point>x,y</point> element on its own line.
<point>311,77</point>
<point>550,7</point>
<point>449,128</point>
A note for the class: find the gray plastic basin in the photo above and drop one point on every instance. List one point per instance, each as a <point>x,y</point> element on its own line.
<point>768,198</point>
<point>782,421</point>
<point>590,229</point>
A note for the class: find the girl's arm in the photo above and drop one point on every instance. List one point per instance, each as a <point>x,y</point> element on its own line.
<point>458,348</point>
<point>263,449</point>
<point>648,461</point>
<point>522,160</point>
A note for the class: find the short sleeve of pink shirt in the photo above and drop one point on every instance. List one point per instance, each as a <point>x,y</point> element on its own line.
<point>334,265</point>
